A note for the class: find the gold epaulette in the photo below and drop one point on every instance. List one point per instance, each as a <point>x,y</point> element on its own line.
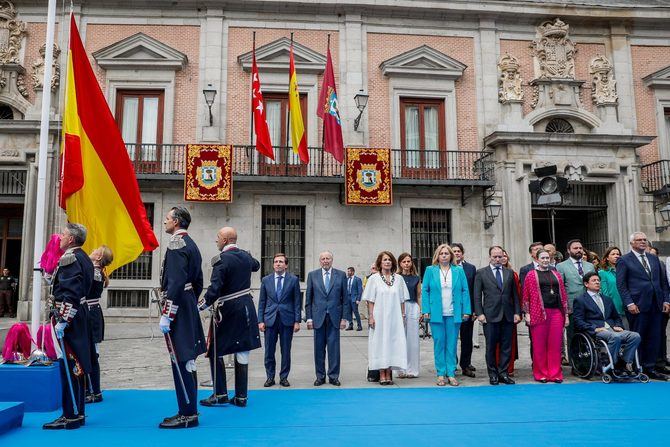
<point>67,259</point>
<point>176,242</point>
<point>216,259</point>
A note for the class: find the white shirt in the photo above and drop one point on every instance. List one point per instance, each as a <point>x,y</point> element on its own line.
<point>600,303</point>
<point>447,293</point>
<point>639,258</point>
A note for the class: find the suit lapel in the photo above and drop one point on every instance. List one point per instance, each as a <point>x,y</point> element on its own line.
<point>272,287</point>
<point>492,277</point>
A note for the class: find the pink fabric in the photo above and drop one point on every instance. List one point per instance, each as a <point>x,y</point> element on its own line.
<point>51,255</point>
<point>18,341</point>
<point>547,338</point>
<point>532,303</point>
<point>49,349</point>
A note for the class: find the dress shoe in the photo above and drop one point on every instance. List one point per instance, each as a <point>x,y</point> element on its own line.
<point>239,401</point>
<point>349,328</point>
<point>213,401</point>
<point>334,382</point>
<point>63,423</point>
<point>542,380</point>
<point>653,374</point>
<point>468,372</point>
<point>662,370</point>
<point>359,328</point>
<point>493,380</point>
<point>180,422</point>
<point>284,382</point>
<point>558,380</point>
<point>93,398</point>
<point>506,379</point>
<point>319,381</point>
<point>171,418</point>
<point>269,383</point>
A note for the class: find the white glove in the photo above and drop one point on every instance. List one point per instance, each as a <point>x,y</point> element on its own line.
<point>164,324</point>
<point>60,329</point>
<point>190,366</point>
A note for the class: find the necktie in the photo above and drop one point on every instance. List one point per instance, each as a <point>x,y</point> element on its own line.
<point>349,285</point>
<point>279,286</point>
<point>645,264</point>
<point>580,270</point>
<point>499,278</point>
<point>599,302</point>
<point>326,280</point>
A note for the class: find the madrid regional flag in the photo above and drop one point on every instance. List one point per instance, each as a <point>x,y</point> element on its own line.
<point>98,184</point>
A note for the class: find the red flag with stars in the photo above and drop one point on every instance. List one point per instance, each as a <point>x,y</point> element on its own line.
<point>263,143</point>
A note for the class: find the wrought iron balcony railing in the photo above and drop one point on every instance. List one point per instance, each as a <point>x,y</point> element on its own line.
<point>455,167</point>
<point>656,177</point>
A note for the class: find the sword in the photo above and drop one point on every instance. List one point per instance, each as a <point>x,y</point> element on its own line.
<point>216,359</point>
<point>173,358</point>
<point>67,374</point>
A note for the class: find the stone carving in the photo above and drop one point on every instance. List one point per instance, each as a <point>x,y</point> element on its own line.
<point>603,83</point>
<point>509,81</point>
<point>38,69</point>
<point>21,85</point>
<point>574,171</point>
<point>10,153</point>
<point>536,96</point>
<point>553,51</point>
<point>11,34</point>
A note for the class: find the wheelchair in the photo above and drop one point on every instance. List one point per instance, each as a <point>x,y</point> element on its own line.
<point>590,356</point>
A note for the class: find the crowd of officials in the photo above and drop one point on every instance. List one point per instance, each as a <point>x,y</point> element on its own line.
<point>622,300</point>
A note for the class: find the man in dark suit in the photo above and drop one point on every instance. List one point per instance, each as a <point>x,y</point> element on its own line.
<point>467,327</point>
<point>498,309</point>
<point>643,287</point>
<point>596,315</point>
<point>279,317</point>
<point>532,250</point>
<point>326,305</point>
<point>354,292</point>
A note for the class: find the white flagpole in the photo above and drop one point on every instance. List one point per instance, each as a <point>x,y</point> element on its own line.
<point>41,203</point>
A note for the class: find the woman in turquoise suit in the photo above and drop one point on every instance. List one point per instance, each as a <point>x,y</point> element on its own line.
<point>445,303</point>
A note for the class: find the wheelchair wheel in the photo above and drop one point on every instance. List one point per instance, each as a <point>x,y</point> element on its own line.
<point>643,378</point>
<point>606,378</point>
<point>583,356</point>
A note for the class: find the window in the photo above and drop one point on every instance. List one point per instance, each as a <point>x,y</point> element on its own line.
<point>139,115</point>
<point>140,268</point>
<point>559,125</point>
<point>429,228</point>
<point>283,231</point>
<point>6,112</point>
<point>422,132</point>
<point>136,299</point>
<point>276,112</point>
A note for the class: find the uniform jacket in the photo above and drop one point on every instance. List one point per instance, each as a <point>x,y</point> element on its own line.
<point>287,306</point>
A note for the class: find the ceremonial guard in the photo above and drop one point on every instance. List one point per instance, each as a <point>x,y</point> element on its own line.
<point>181,285</point>
<point>234,329</point>
<point>101,258</point>
<point>71,285</point>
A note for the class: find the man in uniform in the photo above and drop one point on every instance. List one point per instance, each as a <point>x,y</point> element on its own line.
<point>71,283</point>
<point>181,284</point>
<point>234,329</point>
<point>7,292</point>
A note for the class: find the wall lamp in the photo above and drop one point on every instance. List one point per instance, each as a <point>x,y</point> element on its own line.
<point>210,94</point>
<point>361,100</point>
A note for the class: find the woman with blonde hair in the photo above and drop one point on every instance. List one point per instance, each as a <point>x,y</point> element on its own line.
<point>445,303</point>
<point>101,258</point>
<point>386,294</point>
<point>408,272</point>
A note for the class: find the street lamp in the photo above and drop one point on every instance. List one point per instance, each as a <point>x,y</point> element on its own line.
<point>361,100</point>
<point>210,94</point>
<point>491,210</point>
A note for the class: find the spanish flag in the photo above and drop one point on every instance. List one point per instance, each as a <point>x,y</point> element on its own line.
<point>98,185</point>
<point>298,137</point>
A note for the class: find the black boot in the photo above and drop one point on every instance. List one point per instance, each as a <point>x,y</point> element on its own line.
<point>220,394</point>
<point>241,384</point>
<point>180,422</point>
<point>63,423</point>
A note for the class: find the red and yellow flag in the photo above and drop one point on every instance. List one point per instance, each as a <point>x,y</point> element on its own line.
<point>98,184</point>
<point>298,137</point>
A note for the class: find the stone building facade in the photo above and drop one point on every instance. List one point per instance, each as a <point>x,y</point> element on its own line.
<point>471,96</point>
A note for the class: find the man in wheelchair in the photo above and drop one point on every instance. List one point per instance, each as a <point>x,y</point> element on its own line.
<point>596,315</point>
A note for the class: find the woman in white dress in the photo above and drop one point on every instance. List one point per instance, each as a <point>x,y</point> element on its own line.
<point>413,315</point>
<point>386,294</point>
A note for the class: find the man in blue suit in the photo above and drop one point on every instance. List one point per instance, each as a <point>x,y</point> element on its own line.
<point>643,287</point>
<point>596,315</point>
<point>279,317</point>
<point>326,305</point>
<point>354,292</point>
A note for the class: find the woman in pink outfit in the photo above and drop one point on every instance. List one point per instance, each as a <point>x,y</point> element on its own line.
<point>545,304</point>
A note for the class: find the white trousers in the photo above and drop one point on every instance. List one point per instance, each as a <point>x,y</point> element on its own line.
<point>412,313</point>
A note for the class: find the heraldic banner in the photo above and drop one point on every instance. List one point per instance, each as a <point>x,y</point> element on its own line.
<point>368,177</point>
<point>209,173</point>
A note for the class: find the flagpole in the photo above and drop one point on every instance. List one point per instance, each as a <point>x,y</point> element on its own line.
<point>251,128</point>
<point>288,115</point>
<point>41,202</point>
<point>323,122</point>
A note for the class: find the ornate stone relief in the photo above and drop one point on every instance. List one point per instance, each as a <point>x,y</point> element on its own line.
<point>553,51</point>
<point>38,69</point>
<point>12,32</point>
<point>574,171</point>
<point>603,83</point>
<point>509,81</point>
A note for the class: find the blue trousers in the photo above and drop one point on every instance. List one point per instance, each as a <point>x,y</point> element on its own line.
<point>283,333</point>
<point>445,339</point>
<point>616,340</point>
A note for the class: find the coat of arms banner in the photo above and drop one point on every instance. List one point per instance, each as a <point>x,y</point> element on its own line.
<point>209,175</point>
<point>368,177</point>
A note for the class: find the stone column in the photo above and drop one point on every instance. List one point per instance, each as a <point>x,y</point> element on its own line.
<point>623,70</point>
<point>487,56</point>
<point>214,71</point>
<point>352,79</point>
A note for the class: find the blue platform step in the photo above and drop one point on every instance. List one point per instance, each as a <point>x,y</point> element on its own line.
<point>38,387</point>
<point>11,416</point>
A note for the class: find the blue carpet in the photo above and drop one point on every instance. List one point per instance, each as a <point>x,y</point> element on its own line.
<point>538,415</point>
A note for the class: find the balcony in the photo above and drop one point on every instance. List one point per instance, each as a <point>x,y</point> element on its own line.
<point>656,177</point>
<point>447,168</point>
